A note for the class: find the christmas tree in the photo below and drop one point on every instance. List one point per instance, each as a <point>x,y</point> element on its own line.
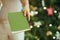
<point>45,20</point>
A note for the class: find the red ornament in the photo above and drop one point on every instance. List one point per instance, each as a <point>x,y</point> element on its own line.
<point>50,11</point>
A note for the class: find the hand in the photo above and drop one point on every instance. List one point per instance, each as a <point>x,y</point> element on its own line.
<point>27,13</point>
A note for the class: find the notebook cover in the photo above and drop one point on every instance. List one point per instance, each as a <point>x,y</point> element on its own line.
<point>18,21</point>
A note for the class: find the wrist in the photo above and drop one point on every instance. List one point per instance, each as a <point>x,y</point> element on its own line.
<point>26,4</point>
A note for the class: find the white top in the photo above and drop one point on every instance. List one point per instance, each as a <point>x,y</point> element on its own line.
<point>10,6</point>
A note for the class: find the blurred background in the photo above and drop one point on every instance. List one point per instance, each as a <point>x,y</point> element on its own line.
<point>45,20</point>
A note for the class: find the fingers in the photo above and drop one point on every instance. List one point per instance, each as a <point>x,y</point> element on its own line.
<point>28,15</point>
<point>24,13</point>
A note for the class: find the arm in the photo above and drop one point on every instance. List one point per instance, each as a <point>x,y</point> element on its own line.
<point>0,4</point>
<point>25,4</point>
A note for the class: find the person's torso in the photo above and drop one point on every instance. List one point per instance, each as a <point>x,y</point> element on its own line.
<point>10,6</point>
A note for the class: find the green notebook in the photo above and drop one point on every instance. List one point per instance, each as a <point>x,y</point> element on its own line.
<point>18,21</point>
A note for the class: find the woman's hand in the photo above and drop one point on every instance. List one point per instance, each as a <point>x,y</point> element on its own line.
<point>27,13</point>
<point>25,4</point>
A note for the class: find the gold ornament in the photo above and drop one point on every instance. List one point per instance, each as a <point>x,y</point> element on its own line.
<point>49,33</point>
<point>58,27</point>
<point>33,8</point>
